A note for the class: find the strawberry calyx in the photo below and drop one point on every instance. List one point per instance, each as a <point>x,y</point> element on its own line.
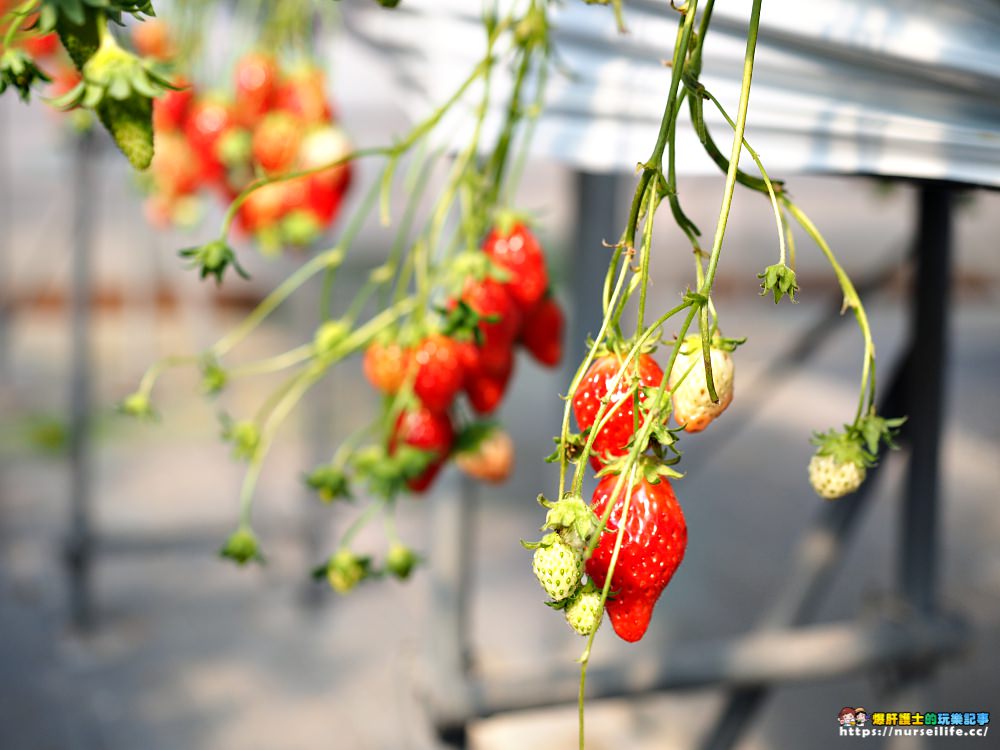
<point>401,560</point>
<point>779,280</point>
<point>344,570</point>
<point>506,220</point>
<point>859,443</point>
<point>471,437</point>
<point>212,259</point>
<point>242,547</point>
<point>329,482</point>
<point>114,73</point>
<point>18,69</point>
<point>571,518</point>
<point>652,469</point>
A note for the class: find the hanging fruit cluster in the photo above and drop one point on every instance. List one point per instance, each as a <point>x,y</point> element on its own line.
<point>276,120</point>
<point>502,300</point>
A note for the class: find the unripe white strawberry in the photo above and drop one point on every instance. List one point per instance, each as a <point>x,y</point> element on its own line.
<point>557,566</point>
<point>693,406</point>
<point>832,478</point>
<point>843,457</point>
<point>584,612</point>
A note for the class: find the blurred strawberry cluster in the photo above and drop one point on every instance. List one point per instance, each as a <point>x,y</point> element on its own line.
<point>273,119</point>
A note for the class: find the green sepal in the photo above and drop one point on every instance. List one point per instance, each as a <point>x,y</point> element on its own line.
<point>780,281</point>
<point>18,70</point>
<point>329,482</point>
<point>242,547</point>
<point>212,259</point>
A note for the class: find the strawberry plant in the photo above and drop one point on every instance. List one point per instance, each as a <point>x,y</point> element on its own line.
<point>439,321</point>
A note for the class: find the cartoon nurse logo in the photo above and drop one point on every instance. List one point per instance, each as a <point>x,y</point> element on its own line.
<point>846,717</point>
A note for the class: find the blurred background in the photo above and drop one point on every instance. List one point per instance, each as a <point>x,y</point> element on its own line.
<point>187,651</point>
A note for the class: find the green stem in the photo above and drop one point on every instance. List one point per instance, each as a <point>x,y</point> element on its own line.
<point>323,261</point>
<point>851,300</point>
<point>274,364</point>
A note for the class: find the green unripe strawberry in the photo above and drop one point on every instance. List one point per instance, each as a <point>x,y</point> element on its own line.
<point>584,612</point>
<point>557,566</point>
<point>130,123</point>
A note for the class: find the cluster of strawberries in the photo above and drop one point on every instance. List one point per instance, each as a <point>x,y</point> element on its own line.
<point>471,353</point>
<point>276,121</point>
<point>654,537</point>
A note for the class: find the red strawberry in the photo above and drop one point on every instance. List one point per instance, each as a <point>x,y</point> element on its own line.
<point>256,79</point>
<point>652,548</point>
<point>385,366</point>
<point>263,208</point>
<point>617,431</point>
<point>518,252</point>
<point>276,141</point>
<point>486,388</point>
<point>208,119</point>
<point>42,46</point>
<point>170,110</point>
<point>542,332</point>
<point>429,431</point>
<point>489,298</point>
<point>439,371</point>
<point>303,94</point>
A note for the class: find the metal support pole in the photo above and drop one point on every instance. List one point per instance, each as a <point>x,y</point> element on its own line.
<point>919,522</point>
<point>449,657</point>
<point>79,542</point>
<point>595,220</point>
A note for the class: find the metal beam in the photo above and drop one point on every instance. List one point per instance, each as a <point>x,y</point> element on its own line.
<point>792,655</point>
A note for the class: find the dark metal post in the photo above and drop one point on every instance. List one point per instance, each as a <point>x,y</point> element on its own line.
<point>79,544</point>
<point>595,220</point>
<point>919,522</point>
<point>448,626</point>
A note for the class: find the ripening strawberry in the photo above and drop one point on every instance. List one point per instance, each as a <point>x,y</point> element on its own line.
<point>693,406</point>
<point>385,365</point>
<point>152,38</point>
<point>614,437</point>
<point>557,566</point>
<point>842,460</point>
<point>491,461</point>
<point>439,372</point>
<point>516,250</point>
<point>429,431</point>
<point>256,80</point>
<point>542,332</point>
<point>653,545</point>
<point>276,142</point>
